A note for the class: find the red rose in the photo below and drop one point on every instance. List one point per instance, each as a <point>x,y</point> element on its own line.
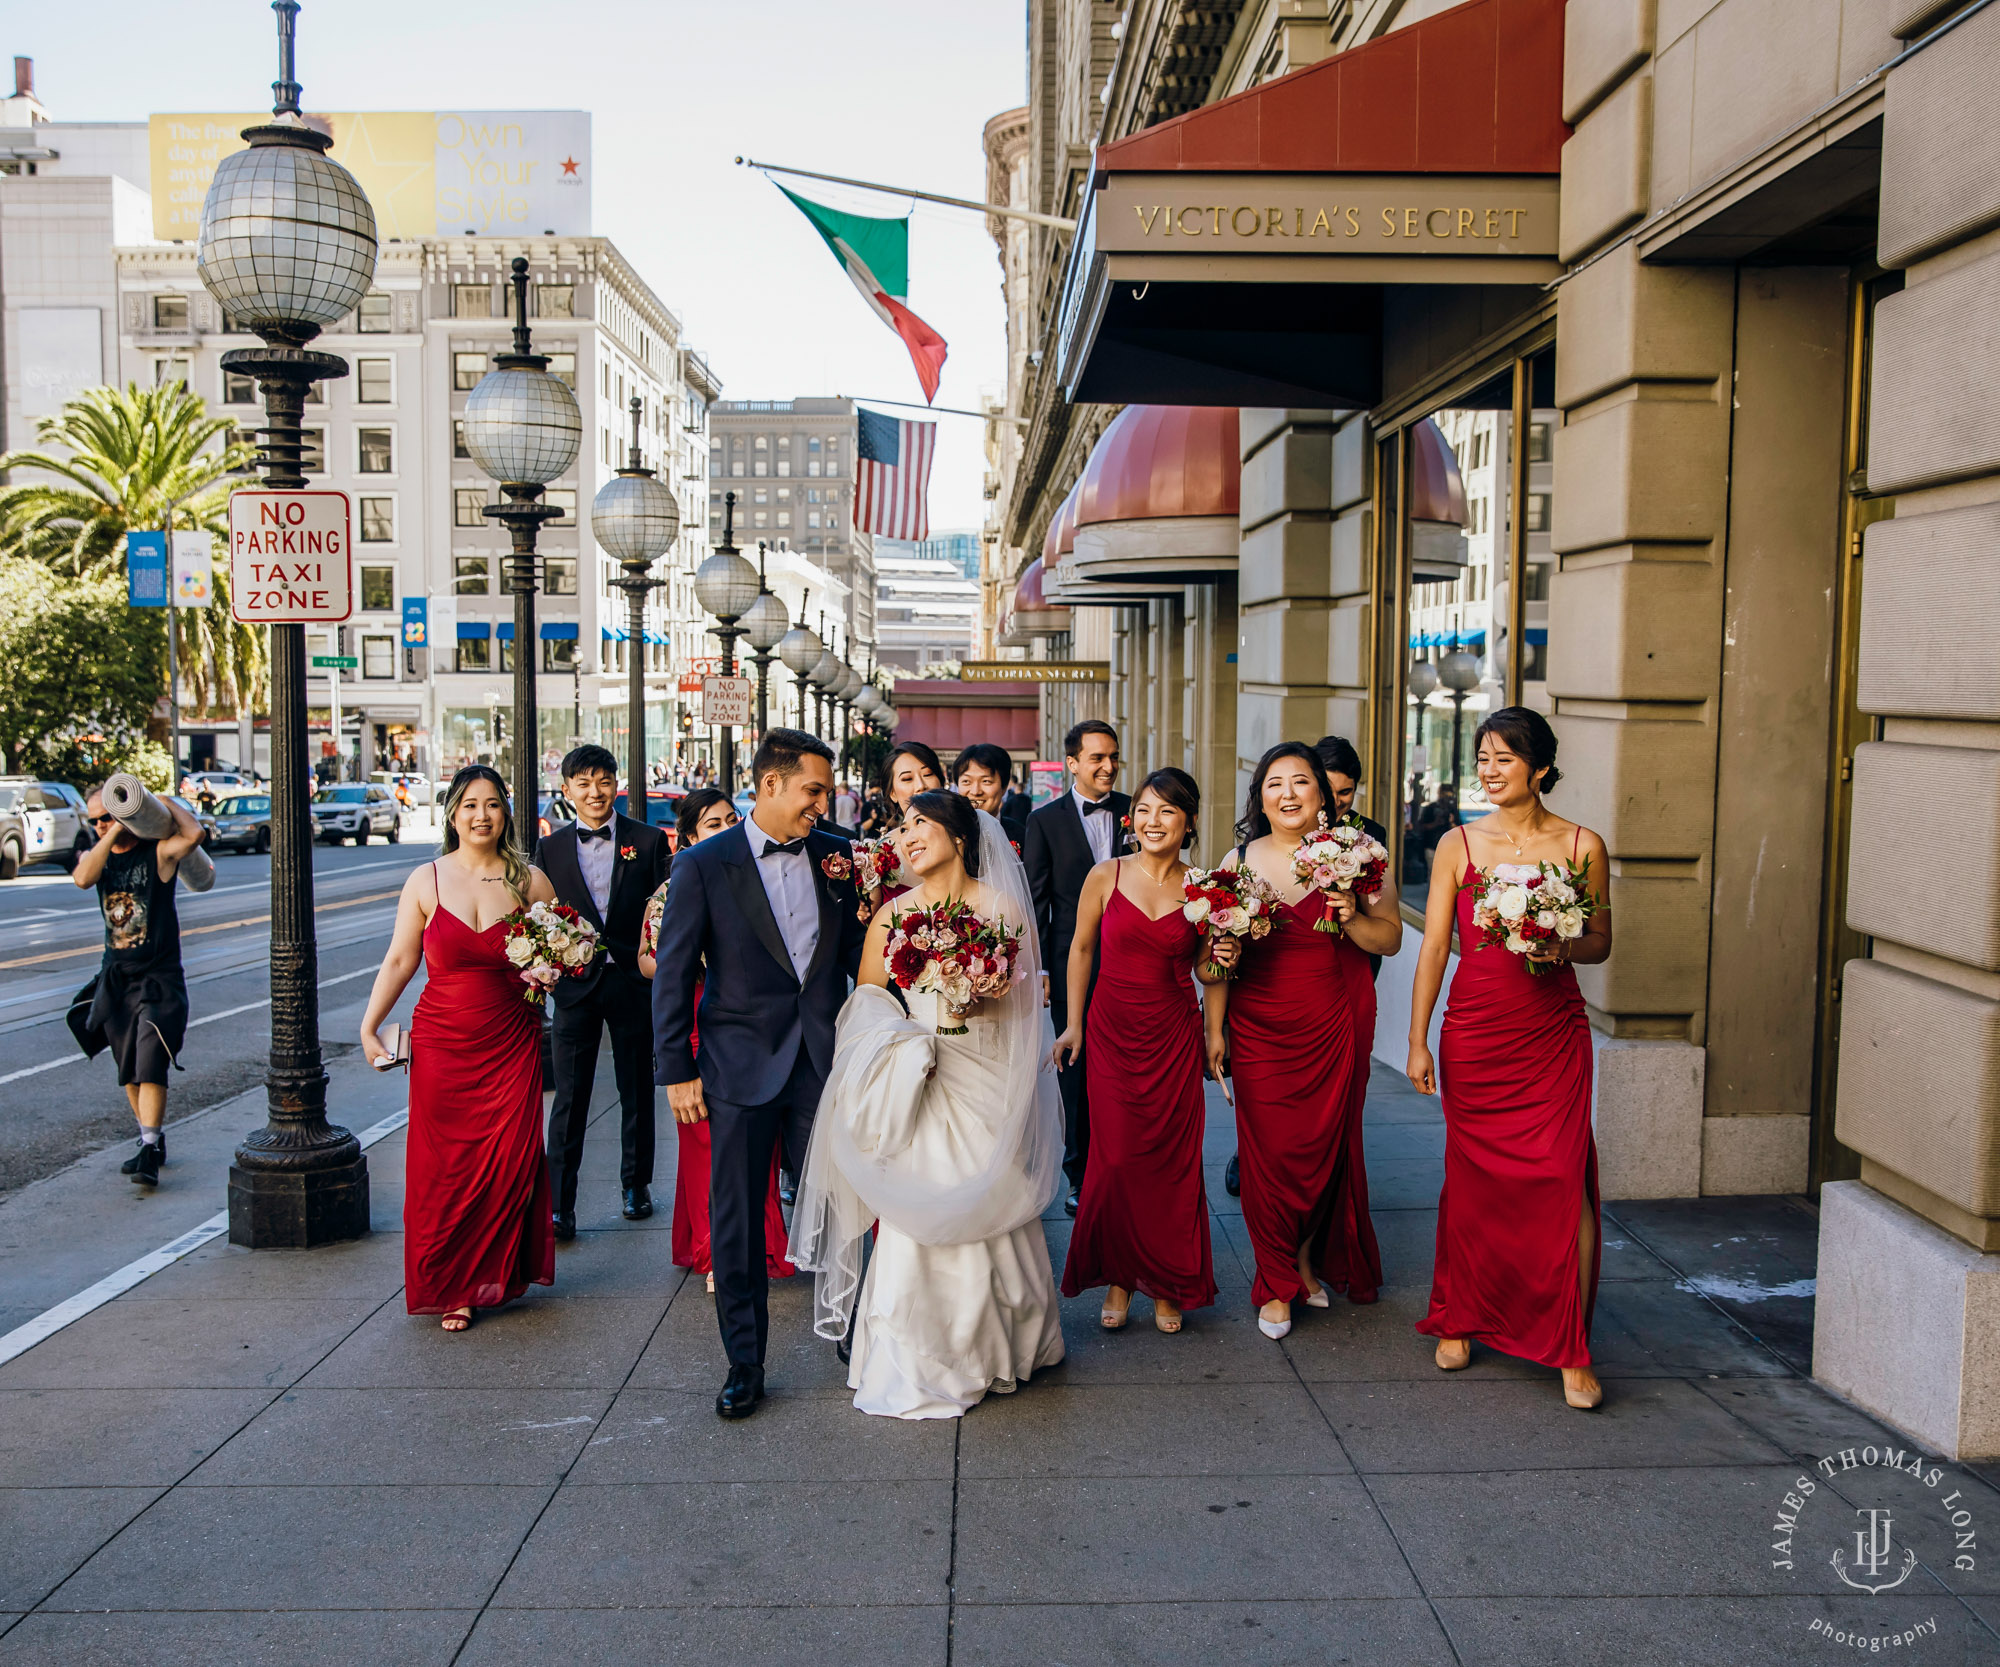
<point>906,964</point>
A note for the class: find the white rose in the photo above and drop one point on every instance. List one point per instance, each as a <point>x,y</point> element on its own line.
<point>1546,920</point>
<point>1517,943</point>
<point>1196,910</point>
<point>1570,923</point>
<point>520,951</point>
<point>1511,903</point>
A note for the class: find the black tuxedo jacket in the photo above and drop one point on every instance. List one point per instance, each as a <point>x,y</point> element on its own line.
<point>633,880</point>
<point>1056,853</point>
<point>756,1013</point>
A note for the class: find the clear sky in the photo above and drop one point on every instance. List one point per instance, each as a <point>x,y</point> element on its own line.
<point>895,90</point>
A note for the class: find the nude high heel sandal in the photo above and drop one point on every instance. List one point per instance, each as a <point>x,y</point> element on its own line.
<point>1166,1317</point>
<point>1454,1354</point>
<point>1117,1309</point>
<point>1581,1388</point>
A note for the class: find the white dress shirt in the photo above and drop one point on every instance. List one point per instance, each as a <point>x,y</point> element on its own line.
<point>788,883</point>
<point>1099,826</point>
<point>595,857</point>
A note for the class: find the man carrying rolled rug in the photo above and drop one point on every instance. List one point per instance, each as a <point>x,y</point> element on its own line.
<point>138,1004</point>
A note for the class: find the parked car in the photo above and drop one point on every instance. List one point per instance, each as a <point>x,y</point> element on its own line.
<point>554,812</point>
<point>239,822</point>
<point>663,808</point>
<point>219,782</point>
<point>73,835</point>
<point>27,830</point>
<point>355,810</point>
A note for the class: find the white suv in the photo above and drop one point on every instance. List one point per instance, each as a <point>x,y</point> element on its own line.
<point>355,810</point>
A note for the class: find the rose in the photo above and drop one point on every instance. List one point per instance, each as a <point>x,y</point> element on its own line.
<point>1511,903</point>
<point>836,867</point>
<point>628,852</point>
<point>906,962</point>
<point>520,951</point>
<point>1569,923</point>
<point>1196,909</point>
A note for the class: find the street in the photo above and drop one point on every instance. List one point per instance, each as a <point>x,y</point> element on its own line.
<point>55,1106</point>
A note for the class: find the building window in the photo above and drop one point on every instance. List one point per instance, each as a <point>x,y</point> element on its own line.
<point>469,576</point>
<point>1538,442</point>
<point>170,312</point>
<point>558,653</point>
<point>555,300</point>
<point>761,494</point>
<point>812,442</point>
<point>372,317</point>
<point>784,494</point>
<point>506,653</point>
<point>316,394</point>
<point>812,463</point>
<point>559,575</point>
<point>715,460</point>
<point>312,458</point>
<point>375,451</point>
<point>458,445</point>
<point>760,518</point>
<point>784,517</point>
<point>1538,512</point>
<point>378,526</point>
<point>564,499</point>
<point>244,437</point>
<point>784,465</point>
<point>471,300</point>
<point>378,589</point>
<point>475,653</point>
<point>760,467</point>
<point>378,656</point>
<point>374,382</point>
<point>562,366</point>
<point>812,517</point>
<point>238,389</point>
<point>468,505</point>
<point>466,370</point>
<point>736,469</point>
<point>761,443</point>
<point>176,370</point>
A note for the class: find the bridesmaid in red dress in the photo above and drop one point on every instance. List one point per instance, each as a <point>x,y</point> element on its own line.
<point>913,768</point>
<point>476,1225</point>
<point>1295,1026</point>
<point>1517,1231</point>
<point>704,811</point>
<point>1142,1221</point>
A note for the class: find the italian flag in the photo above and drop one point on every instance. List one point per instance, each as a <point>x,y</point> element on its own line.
<point>876,256</point>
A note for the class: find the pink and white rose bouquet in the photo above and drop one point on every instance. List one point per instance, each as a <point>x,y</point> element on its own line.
<point>1227,902</point>
<point>948,949</point>
<point>548,943</point>
<point>1343,857</point>
<point>1521,906</point>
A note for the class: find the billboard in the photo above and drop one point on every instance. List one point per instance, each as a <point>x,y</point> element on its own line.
<point>432,173</point>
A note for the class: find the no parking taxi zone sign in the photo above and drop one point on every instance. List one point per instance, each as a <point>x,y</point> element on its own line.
<point>291,557</point>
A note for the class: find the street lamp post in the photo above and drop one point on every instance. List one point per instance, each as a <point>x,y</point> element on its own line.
<point>1458,671</point>
<point>636,517</point>
<point>288,246</point>
<point>800,651</point>
<point>824,676</point>
<point>764,627</point>
<point>523,428</point>
<point>726,585</point>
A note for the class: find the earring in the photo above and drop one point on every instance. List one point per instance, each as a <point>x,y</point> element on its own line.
<point>1322,818</point>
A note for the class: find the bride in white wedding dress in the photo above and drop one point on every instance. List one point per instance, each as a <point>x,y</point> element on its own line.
<point>950,1146</point>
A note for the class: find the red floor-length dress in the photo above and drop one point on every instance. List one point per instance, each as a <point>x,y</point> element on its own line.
<point>1142,1221</point>
<point>1514,1065</point>
<point>1295,1016</point>
<point>476,1225</point>
<point>691,1181</point>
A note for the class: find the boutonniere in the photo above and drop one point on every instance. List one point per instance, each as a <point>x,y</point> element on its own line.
<point>628,852</point>
<point>836,866</point>
<point>1124,833</point>
<point>1017,846</point>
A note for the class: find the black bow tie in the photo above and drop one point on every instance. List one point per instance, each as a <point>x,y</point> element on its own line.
<point>1103,804</point>
<point>593,833</point>
<point>786,848</point>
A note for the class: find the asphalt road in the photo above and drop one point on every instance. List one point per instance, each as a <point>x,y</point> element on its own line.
<point>55,1106</point>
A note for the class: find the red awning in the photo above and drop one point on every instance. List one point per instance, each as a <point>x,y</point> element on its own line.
<point>1156,461</point>
<point>949,716</point>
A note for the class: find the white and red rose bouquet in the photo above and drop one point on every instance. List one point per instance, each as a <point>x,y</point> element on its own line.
<point>1521,906</point>
<point>1343,857</point>
<point>948,949</point>
<point>1227,902</point>
<point>548,943</point>
<point>877,865</point>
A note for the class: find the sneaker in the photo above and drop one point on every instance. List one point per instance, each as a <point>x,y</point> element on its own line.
<point>146,1166</point>
<point>131,1165</point>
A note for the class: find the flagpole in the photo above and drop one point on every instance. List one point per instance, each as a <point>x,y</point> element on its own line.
<point>943,410</point>
<point>1039,219</point>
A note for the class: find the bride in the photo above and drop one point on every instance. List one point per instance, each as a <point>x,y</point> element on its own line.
<point>948,1145</point>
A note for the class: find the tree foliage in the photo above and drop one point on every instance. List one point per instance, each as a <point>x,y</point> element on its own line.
<point>82,672</point>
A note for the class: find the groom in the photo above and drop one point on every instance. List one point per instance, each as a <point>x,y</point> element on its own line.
<point>765,913</point>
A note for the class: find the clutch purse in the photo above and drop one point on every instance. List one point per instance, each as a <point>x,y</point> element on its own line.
<point>397,1040</point>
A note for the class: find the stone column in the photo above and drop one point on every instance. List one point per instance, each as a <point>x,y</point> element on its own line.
<point>1210,704</point>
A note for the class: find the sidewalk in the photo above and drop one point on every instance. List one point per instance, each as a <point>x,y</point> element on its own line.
<point>262,1458</point>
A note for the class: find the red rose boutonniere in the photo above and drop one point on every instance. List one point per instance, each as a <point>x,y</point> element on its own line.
<point>836,866</point>
<point>1125,833</point>
<point>628,852</point>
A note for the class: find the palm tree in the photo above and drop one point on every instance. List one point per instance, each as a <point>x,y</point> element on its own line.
<point>140,459</point>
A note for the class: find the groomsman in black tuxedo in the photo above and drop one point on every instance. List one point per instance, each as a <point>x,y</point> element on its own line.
<point>1066,839</point>
<point>605,866</point>
<point>983,773</point>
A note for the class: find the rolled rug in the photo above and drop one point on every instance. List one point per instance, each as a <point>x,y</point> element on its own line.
<point>146,817</point>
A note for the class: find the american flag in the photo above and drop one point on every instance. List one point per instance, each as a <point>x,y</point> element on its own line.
<point>892,475</point>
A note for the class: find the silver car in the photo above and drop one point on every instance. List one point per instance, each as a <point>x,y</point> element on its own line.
<point>355,810</point>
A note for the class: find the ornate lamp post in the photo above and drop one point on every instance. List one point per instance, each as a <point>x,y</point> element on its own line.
<point>1458,671</point>
<point>523,428</point>
<point>800,651</point>
<point>636,517</point>
<point>288,246</point>
<point>824,676</point>
<point>764,627</point>
<point>726,586</point>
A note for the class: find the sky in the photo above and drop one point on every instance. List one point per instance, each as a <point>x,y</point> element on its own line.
<point>891,90</point>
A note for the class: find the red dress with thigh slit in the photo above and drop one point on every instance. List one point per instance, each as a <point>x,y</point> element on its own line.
<point>1296,1016</point>
<point>476,1226</point>
<point>1514,1067</point>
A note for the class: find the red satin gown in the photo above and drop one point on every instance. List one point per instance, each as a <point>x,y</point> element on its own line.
<point>476,1226</point>
<point>691,1179</point>
<point>1296,1018</point>
<point>1514,1067</point>
<point>1142,1221</point>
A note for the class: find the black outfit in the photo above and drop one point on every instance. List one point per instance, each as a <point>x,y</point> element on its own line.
<point>1056,853</point>
<point>766,1046</point>
<point>138,1006</point>
<point>611,996</point>
<point>1016,806</point>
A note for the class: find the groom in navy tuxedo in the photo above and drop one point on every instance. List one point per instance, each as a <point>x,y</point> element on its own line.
<point>765,915</point>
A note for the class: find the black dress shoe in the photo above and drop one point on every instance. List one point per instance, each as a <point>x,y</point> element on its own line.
<point>1232,1178</point>
<point>741,1391</point>
<point>638,1203</point>
<point>1070,1203</point>
<point>565,1221</point>
<point>788,1188</point>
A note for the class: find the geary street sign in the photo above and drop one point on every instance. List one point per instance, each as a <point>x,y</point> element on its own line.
<point>291,557</point>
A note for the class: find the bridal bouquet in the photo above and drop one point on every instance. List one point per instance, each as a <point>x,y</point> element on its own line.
<point>1227,903</point>
<point>548,943</point>
<point>1344,857</point>
<point>948,949</point>
<point>1523,905</point>
<point>877,865</point>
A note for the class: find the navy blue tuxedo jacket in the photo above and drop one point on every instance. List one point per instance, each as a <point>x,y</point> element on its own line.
<point>756,1014</point>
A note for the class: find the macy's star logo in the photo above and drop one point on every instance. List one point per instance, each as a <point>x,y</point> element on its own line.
<point>569,165</point>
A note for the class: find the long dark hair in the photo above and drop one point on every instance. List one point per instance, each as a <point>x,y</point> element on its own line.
<point>954,813</point>
<point>1255,824</point>
<point>1179,789</point>
<point>694,807</point>
<point>513,864</point>
<point>923,754</point>
<point>1526,734</point>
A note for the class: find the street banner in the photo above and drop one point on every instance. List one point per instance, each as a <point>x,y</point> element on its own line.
<point>146,569</point>
<point>416,623</point>
<point>194,569</point>
<point>443,612</point>
<point>726,700</point>
<point>291,557</point>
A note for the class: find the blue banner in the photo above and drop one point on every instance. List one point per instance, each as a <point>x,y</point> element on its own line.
<point>146,569</point>
<point>416,622</point>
